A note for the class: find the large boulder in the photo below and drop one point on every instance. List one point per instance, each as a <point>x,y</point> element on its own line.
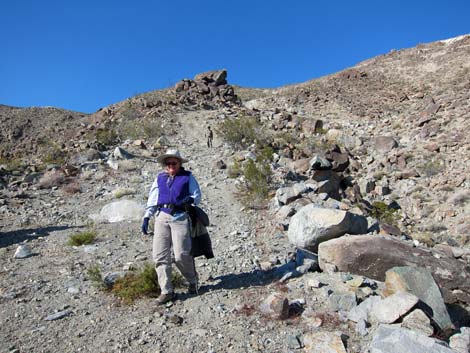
<point>419,281</point>
<point>123,210</point>
<point>392,339</point>
<point>312,225</point>
<point>373,255</point>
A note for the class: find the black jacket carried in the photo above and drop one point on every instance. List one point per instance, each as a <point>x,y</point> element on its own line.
<point>201,244</point>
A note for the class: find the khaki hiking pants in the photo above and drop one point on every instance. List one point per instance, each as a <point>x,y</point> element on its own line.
<point>172,234</point>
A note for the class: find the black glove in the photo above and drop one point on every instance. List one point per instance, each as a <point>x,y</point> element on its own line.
<point>189,204</point>
<point>145,225</point>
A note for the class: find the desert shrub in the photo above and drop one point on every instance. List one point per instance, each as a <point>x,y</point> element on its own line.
<point>121,192</point>
<point>11,163</point>
<point>94,275</point>
<point>135,129</point>
<point>239,132</point>
<point>256,181</point>
<point>51,153</point>
<point>434,228</point>
<point>234,170</point>
<point>460,199</point>
<point>432,167</point>
<point>82,238</point>
<point>140,283</point>
<point>72,188</point>
<point>51,179</point>
<point>106,137</point>
<point>384,213</point>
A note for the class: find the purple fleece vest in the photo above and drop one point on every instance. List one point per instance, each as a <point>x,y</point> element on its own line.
<point>173,191</point>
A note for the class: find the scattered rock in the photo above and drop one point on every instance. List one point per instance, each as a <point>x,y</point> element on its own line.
<point>372,256</point>
<point>323,342</point>
<point>419,322</point>
<point>22,252</point>
<point>419,281</point>
<point>385,144</point>
<point>342,301</point>
<point>460,342</point>
<point>393,307</point>
<point>120,153</point>
<point>361,311</point>
<point>391,339</point>
<point>59,315</point>
<point>276,306</point>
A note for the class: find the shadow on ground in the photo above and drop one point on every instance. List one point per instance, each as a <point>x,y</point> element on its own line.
<point>250,279</point>
<point>20,235</point>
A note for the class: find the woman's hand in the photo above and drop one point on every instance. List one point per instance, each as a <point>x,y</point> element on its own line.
<point>145,225</point>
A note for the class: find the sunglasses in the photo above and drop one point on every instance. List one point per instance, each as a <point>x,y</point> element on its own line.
<point>171,163</point>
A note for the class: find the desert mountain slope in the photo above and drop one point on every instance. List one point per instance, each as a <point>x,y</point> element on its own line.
<point>383,144</point>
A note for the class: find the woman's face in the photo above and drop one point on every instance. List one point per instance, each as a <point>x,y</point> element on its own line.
<point>172,165</point>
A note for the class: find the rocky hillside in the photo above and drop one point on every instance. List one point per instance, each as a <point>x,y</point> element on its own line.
<point>339,214</point>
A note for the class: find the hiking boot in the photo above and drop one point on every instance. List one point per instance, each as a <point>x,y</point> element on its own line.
<point>192,289</point>
<point>165,298</point>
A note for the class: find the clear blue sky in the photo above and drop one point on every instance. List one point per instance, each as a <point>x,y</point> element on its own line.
<point>83,54</point>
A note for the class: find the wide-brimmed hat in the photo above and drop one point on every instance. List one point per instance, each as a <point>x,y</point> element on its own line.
<point>171,153</point>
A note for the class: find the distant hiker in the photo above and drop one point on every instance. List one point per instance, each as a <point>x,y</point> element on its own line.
<point>210,136</point>
<point>170,196</point>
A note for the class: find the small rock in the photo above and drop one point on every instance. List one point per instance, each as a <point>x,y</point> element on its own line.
<point>58,315</point>
<point>294,342</point>
<point>22,252</point>
<point>419,322</point>
<point>174,319</point>
<point>120,153</point>
<point>324,342</point>
<point>276,306</point>
<point>343,301</point>
<point>460,342</point>
<point>361,327</point>
<point>392,308</point>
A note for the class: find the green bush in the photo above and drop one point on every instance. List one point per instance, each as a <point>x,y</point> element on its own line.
<point>135,129</point>
<point>51,153</point>
<point>82,238</point>
<point>383,213</point>
<point>106,137</point>
<point>234,170</point>
<point>93,274</point>
<point>432,167</point>
<point>257,179</point>
<point>141,283</point>
<point>240,132</point>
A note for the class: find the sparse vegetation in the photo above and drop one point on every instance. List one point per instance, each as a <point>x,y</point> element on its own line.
<point>256,178</point>
<point>51,153</point>
<point>460,199</point>
<point>140,283</point>
<point>106,137</point>
<point>82,238</point>
<point>234,170</point>
<point>384,213</point>
<point>239,132</point>
<point>432,167</point>
<point>94,275</point>
<point>142,128</point>
<point>72,188</point>
<point>11,163</point>
<point>121,192</point>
